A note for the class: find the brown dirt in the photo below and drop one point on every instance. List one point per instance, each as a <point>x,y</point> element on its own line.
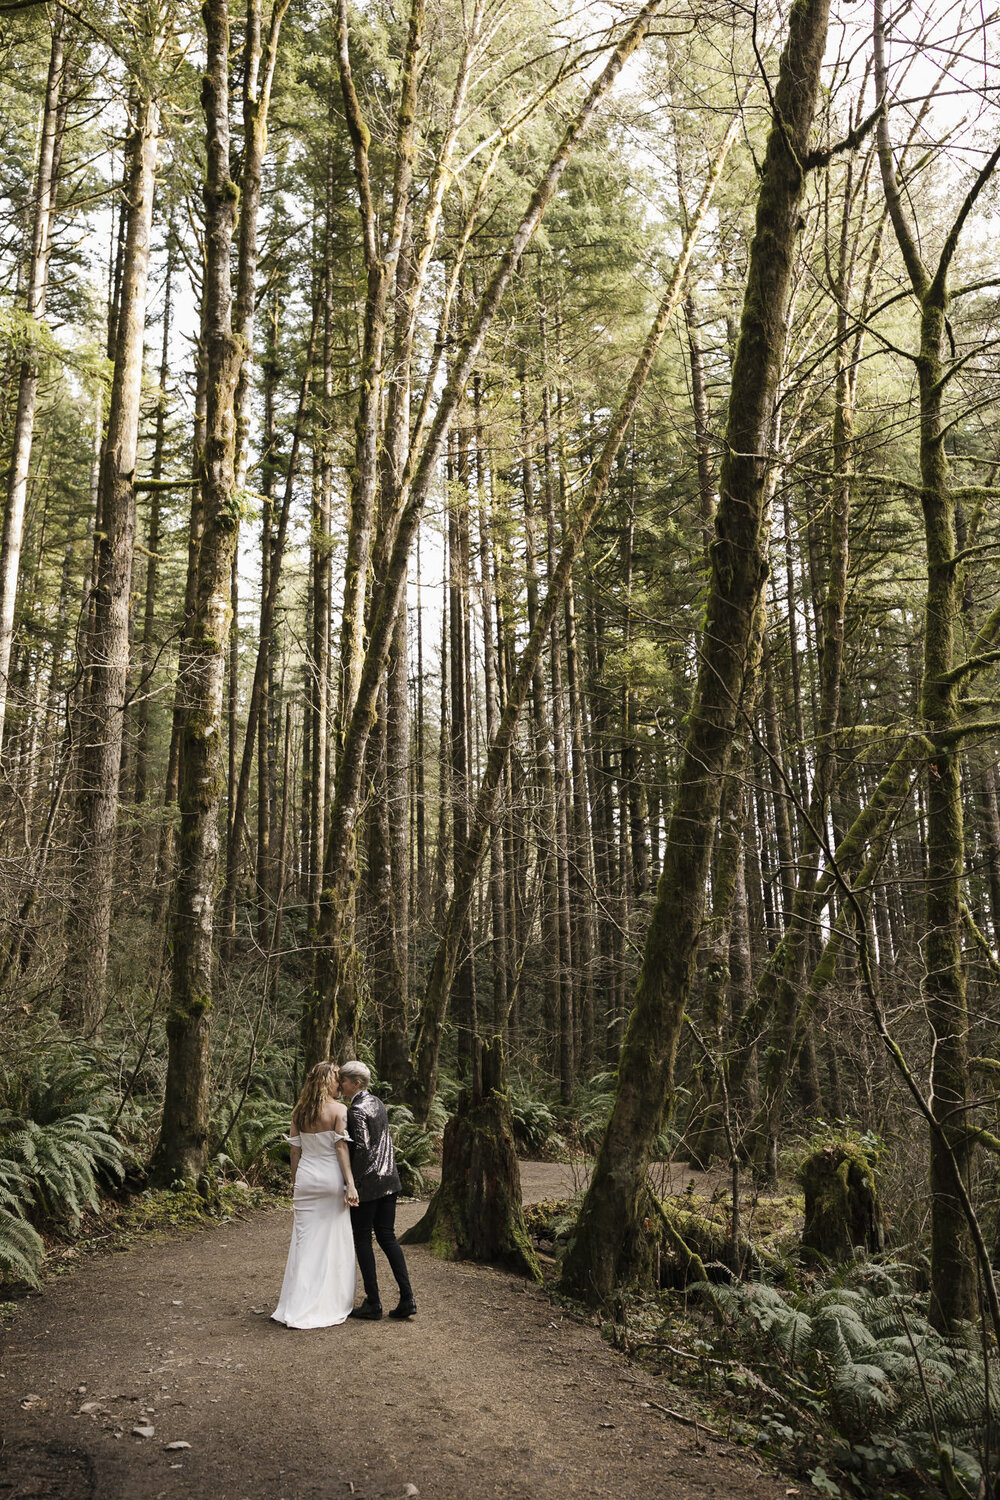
<point>490,1392</point>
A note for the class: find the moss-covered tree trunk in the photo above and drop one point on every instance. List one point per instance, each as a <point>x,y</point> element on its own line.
<point>180,1152</point>
<point>953,1288</point>
<point>843,1212</point>
<point>477,1213</point>
<point>610,1220</point>
<point>102,713</point>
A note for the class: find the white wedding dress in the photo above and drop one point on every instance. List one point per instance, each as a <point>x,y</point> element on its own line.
<point>318,1289</point>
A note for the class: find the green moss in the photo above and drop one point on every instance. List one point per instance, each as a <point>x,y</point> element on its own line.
<point>842,1210</point>
<point>552,1219</point>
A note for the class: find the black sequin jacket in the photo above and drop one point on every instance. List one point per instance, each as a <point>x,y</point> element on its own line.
<point>372,1159</point>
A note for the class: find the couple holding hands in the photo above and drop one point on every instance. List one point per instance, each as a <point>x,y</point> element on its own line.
<point>344,1189</point>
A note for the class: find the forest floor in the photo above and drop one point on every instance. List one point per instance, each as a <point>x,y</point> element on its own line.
<point>491,1391</point>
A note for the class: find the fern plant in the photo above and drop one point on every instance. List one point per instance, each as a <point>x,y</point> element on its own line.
<point>413,1148</point>
<point>57,1082</point>
<point>897,1395</point>
<point>535,1125</point>
<point>20,1245</point>
<point>258,1135</point>
<point>594,1109</point>
<point>58,1165</point>
<point>21,1248</point>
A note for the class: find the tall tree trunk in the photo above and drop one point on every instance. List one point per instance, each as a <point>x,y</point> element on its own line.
<point>552,975</point>
<point>265,748</point>
<point>180,1152</point>
<point>147,652</point>
<point>706,1137</point>
<point>103,710</point>
<point>195,531</point>
<point>633,808</point>
<point>953,1286</point>
<point>393,1040</point>
<point>421,898</point>
<point>37,284</point>
<point>498,910</point>
<point>321,543</point>
<point>606,1239</point>
<point>583,867</point>
<point>560,768</point>
<point>458,604</point>
<point>259,61</point>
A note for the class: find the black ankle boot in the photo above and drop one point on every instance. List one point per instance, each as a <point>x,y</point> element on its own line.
<point>368,1312</point>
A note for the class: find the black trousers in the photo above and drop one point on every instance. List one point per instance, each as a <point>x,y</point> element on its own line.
<point>380,1216</point>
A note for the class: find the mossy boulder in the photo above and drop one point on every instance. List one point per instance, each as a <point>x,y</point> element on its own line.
<point>843,1211</point>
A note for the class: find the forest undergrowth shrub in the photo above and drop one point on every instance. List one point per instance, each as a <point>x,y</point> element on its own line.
<point>57,1151</point>
<point>250,1135</point>
<point>584,1121</point>
<point>845,1372</point>
<point>536,1130</point>
<point>414,1149</point>
<point>592,1109</point>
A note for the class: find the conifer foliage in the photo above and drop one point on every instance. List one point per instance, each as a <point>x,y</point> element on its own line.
<point>500,550</point>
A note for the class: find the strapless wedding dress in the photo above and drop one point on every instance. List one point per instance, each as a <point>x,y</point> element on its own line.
<point>318,1289</point>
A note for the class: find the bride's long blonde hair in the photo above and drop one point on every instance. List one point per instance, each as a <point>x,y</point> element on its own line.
<point>320,1085</point>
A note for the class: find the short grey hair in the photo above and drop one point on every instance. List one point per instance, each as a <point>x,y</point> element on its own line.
<point>358,1070</point>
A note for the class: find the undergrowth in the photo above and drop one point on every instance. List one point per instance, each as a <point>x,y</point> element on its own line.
<point>79,1123</point>
<point>844,1372</point>
<point>834,1371</point>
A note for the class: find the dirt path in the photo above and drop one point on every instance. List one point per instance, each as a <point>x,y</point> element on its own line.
<point>490,1392</point>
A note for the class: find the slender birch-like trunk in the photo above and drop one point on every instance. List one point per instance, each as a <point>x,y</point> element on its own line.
<point>24,420</point>
<point>331,984</point>
<point>147,648</point>
<point>102,713</point>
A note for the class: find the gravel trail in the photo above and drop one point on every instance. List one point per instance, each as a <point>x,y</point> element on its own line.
<point>489,1394</point>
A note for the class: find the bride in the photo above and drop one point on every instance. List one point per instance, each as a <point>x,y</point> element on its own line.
<point>318,1289</point>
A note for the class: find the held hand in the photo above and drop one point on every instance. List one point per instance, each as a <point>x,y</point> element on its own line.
<point>351,1194</point>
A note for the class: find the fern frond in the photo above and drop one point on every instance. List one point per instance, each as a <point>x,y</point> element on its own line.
<point>21,1249</point>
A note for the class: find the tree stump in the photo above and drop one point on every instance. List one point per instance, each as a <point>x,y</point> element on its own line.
<point>843,1212</point>
<point>477,1213</point>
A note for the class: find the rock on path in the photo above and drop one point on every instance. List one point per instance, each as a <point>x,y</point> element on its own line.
<point>489,1392</point>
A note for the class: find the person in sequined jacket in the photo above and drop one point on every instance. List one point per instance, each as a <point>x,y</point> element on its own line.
<point>377,1183</point>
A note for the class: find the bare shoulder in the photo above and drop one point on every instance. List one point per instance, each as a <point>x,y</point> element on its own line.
<point>339,1114</point>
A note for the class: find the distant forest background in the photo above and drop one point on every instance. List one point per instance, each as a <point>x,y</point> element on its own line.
<point>501,539</point>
